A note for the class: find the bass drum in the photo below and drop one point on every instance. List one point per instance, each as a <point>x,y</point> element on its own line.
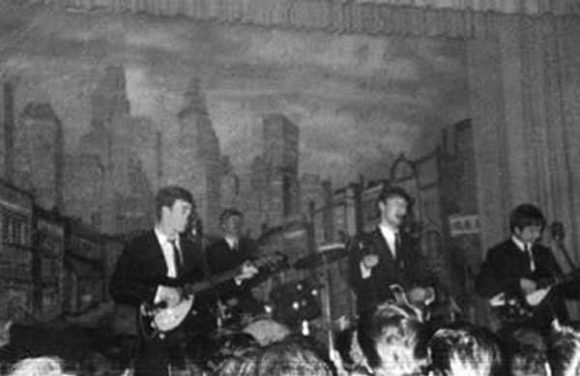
<point>266,330</point>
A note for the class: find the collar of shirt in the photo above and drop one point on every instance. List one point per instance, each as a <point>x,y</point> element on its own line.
<point>232,242</point>
<point>389,234</point>
<point>164,239</point>
<point>520,244</point>
<point>168,253</point>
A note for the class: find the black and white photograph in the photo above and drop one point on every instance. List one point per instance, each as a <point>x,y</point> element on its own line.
<point>289,187</point>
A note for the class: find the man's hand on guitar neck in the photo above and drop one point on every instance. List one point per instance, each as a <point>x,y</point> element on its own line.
<point>528,286</point>
<point>248,271</point>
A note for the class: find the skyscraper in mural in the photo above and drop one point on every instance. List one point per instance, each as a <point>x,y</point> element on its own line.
<point>281,159</point>
<point>113,151</point>
<point>274,173</point>
<point>194,159</point>
<point>39,154</point>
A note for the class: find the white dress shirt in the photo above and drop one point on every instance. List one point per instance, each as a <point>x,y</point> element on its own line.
<point>390,237</point>
<point>169,257</point>
<point>525,247</point>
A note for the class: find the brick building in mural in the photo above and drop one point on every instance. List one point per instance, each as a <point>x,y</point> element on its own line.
<point>16,256</point>
<point>48,245</point>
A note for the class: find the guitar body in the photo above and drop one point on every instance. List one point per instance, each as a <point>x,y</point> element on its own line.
<point>157,320</point>
<point>521,307</point>
<point>170,318</point>
<point>161,320</point>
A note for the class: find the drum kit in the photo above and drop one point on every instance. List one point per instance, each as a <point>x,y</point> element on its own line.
<point>294,304</point>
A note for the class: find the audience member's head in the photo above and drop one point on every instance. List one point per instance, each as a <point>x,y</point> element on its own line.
<point>526,350</point>
<point>397,334</point>
<point>464,351</point>
<point>42,366</point>
<point>564,351</point>
<point>286,358</point>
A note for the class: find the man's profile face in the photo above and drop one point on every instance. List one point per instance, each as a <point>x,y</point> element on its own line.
<point>528,234</point>
<point>232,225</point>
<point>393,210</point>
<point>177,216</point>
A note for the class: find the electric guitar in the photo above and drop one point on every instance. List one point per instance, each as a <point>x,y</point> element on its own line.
<point>518,307</point>
<point>158,318</point>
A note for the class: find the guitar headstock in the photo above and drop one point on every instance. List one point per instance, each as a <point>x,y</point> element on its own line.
<point>557,231</point>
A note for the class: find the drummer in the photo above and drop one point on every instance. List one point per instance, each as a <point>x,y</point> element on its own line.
<point>228,253</point>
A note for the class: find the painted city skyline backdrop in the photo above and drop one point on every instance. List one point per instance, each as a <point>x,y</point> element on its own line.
<point>358,101</point>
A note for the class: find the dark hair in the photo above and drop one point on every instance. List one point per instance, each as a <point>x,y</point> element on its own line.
<point>167,196</point>
<point>525,351</point>
<point>526,215</point>
<point>230,212</point>
<point>390,191</point>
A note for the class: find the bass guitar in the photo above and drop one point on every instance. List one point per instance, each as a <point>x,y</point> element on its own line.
<point>159,319</point>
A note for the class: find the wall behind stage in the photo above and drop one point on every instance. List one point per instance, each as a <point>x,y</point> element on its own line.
<point>348,104</point>
<point>524,83</point>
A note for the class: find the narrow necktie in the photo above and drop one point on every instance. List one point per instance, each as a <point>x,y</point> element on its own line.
<point>176,255</point>
<point>397,245</point>
<point>530,257</point>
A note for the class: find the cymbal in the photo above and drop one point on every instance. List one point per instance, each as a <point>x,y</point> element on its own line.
<point>325,255</point>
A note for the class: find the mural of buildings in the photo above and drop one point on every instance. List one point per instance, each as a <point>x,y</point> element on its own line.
<point>39,154</point>
<point>274,173</point>
<point>459,206</point>
<point>314,200</point>
<point>196,161</point>
<point>85,176</point>
<point>229,186</point>
<point>49,263</point>
<point>16,256</point>
<point>103,172</point>
<point>7,130</point>
<point>85,263</point>
<point>48,267</point>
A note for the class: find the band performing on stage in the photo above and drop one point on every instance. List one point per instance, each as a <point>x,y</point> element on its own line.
<point>196,306</point>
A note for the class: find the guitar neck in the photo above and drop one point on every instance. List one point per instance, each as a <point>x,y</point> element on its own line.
<point>218,279</point>
<point>559,280</point>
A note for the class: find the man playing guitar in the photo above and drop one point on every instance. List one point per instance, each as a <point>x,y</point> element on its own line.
<point>234,252</point>
<point>517,269</point>
<point>383,258</point>
<point>152,270</point>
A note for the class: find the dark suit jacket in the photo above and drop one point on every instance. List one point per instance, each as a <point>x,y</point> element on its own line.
<point>141,269</point>
<point>220,259</point>
<point>409,269</point>
<point>502,270</point>
<point>506,264</point>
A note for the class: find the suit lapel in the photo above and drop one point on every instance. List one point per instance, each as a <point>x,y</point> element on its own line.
<point>381,245</point>
<point>518,254</point>
<point>155,254</point>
